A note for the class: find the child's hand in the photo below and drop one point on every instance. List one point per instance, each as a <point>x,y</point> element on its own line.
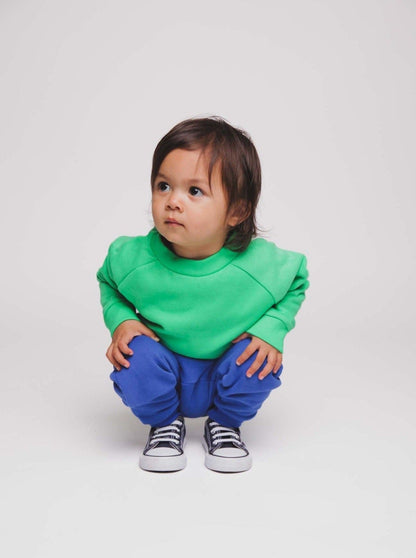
<point>122,335</point>
<point>274,357</point>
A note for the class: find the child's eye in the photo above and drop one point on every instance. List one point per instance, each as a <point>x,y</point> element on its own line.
<point>193,188</point>
<point>160,185</point>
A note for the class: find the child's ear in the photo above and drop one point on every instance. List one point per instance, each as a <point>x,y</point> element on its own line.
<point>240,213</point>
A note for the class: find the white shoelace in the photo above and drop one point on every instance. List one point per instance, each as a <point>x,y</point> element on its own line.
<point>221,434</point>
<point>165,433</point>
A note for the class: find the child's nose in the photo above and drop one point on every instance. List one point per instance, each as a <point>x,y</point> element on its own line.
<point>174,202</point>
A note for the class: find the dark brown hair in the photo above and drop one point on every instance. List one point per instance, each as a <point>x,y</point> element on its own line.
<point>240,168</point>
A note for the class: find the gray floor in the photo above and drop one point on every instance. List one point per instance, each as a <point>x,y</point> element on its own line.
<point>333,465</point>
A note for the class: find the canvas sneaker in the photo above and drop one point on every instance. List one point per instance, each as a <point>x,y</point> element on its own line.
<point>164,448</point>
<point>225,451</point>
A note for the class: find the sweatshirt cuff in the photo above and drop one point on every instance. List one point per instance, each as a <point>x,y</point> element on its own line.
<point>272,330</point>
<point>116,314</point>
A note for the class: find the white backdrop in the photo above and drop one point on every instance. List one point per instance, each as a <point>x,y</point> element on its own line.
<point>326,89</point>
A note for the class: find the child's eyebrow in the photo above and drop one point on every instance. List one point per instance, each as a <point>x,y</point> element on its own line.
<point>199,180</point>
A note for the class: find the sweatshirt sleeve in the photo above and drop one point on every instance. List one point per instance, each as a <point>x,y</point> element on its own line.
<point>116,308</point>
<point>273,326</point>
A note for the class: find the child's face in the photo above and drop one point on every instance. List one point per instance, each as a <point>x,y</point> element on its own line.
<point>181,192</point>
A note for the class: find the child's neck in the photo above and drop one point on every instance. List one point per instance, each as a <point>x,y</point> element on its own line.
<point>189,256</point>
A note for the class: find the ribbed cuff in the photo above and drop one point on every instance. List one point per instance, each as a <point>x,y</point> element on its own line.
<point>272,330</point>
<point>116,314</point>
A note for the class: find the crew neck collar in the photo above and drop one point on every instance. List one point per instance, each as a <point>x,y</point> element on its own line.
<point>187,266</point>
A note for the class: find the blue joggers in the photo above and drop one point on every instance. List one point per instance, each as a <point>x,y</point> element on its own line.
<point>160,384</point>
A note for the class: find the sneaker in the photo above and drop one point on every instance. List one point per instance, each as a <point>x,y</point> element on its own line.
<point>164,448</point>
<point>225,451</point>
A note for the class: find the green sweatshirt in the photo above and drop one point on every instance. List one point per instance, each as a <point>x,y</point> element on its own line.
<point>197,307</point>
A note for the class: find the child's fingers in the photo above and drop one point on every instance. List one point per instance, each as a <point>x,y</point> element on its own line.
<point>278,363</point>
<point>240,337</point>
<point>112,359</point>
<point>248,351</point>
<point>125,348</point>
<point>256,364</point>
<point>266,370</point>
<point>119,357</point>
<point>114,362</point>
<point>109,355</point>
<point>144,330</point>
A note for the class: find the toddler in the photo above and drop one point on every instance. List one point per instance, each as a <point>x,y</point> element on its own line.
<point>198,308</point>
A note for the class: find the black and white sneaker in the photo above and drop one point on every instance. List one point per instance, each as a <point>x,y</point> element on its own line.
<point>164,448</point>
<point>225,451</point>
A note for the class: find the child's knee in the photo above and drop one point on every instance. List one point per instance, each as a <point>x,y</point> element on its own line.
<point>152,373</point>
<point>145,349</point>
<point>231,373</point>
